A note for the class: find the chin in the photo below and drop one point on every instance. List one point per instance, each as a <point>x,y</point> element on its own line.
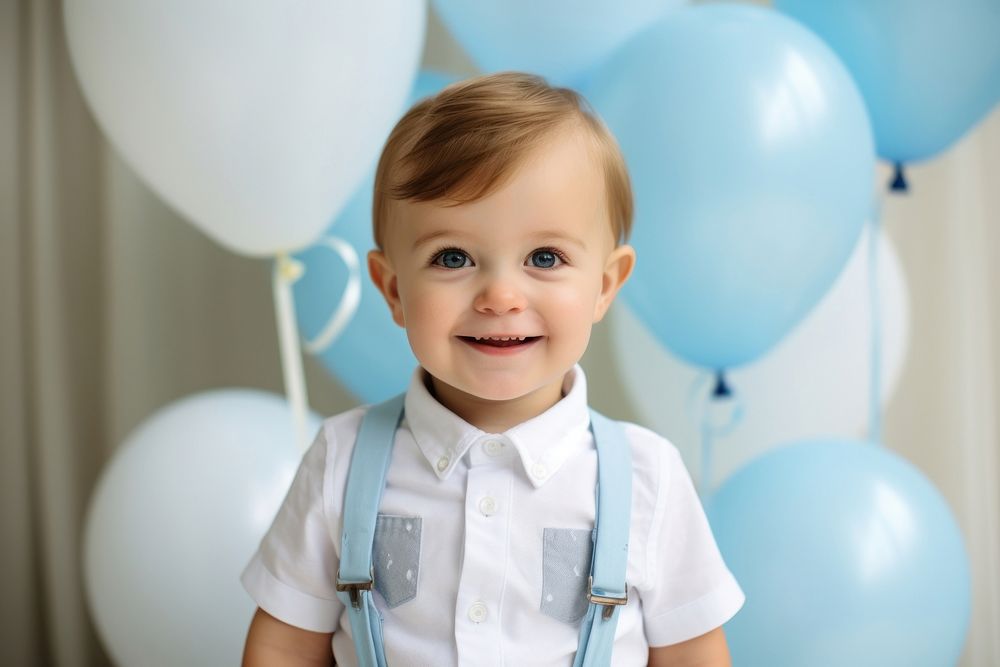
<point>517,388</point>
<point>490,388</point>
<point>495,393</point>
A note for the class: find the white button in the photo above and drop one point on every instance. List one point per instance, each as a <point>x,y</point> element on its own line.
<point>493,447</point>
<point>539,471</point>
<point>487,506</point>
<point>477,612</point>
<point>442,463</point>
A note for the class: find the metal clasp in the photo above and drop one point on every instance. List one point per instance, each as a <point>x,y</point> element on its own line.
<point>608,602</point>
<point>354,588</point>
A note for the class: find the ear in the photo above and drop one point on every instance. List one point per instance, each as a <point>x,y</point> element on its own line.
<point>384,277</point>
<point>617,269</point>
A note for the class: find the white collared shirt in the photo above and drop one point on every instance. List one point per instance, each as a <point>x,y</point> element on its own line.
<point>486,533</point>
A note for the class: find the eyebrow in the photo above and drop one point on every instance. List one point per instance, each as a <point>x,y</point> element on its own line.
<point>562,236</point>
<point>540,235</point>
<point>430,236</point>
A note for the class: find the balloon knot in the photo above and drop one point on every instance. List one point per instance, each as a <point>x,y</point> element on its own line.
<point>290,270</point>
<point>722,389</point>
<point>898,183</point>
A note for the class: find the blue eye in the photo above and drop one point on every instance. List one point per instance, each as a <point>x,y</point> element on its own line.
<point>452,259</point>
<point>545,259</point>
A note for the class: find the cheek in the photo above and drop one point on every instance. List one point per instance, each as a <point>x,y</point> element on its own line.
<point>569,317</point>
<point>573,304</point>
<point>425,306</point>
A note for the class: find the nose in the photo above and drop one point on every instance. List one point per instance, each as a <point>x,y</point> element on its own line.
<point>499,294</point>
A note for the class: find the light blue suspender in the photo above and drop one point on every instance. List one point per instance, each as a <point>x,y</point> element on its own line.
<point>366,481</point>
<point>608,590</point>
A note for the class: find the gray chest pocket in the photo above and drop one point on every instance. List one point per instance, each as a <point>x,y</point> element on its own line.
<point>396,557</point>
<point>566,556</point>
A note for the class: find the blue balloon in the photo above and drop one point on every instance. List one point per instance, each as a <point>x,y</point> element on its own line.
<point>752,161</point>
<point>371,357</point>
<point>558,40</point>
<point>847,554</point>
<point>928,70</point>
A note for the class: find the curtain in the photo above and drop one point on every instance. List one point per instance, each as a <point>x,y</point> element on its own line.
<point>112,306</point>
<point>944,415</point>
<point>52,353</point>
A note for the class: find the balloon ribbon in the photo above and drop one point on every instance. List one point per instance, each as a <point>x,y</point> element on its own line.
<point>286,272</point>
<point>706,414</point>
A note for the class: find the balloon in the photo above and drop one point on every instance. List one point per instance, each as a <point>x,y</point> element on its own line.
<point>814,382</point>
<point>928,71</point>
<point>371,356</point>
<point>848,556</point>
<point>558,41</point>
<point>175,518</point>
<point>752,162</point>
<point>254,120</point>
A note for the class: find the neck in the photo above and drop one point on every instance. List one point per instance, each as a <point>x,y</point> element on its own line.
<point>496,416</point>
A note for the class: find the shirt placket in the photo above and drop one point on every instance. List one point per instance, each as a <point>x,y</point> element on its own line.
<point>487,546</point>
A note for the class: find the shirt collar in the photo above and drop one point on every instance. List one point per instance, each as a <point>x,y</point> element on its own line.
<point>542,443</point>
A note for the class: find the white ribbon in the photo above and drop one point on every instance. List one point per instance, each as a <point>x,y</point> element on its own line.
<point>349,301</point>
<point>716,417</point>
<point>286,272</point>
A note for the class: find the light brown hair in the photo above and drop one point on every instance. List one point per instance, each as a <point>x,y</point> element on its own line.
<point>463,143</point>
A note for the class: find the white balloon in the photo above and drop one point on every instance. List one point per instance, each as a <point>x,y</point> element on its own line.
<point>175,518</point>
<point>255,120</point>
<point>814,383</point>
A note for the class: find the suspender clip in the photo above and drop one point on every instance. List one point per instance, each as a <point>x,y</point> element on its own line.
<point>354,589</point>
<point>607,601</point>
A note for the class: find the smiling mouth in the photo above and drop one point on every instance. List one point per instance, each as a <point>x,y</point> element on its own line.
<point>500,341</point>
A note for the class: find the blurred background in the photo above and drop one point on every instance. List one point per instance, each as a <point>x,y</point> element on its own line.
<point>113,306</point>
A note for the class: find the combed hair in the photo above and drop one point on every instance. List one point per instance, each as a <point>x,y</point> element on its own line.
<point>462,144</point>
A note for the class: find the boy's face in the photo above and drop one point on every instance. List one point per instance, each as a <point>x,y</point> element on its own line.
<point>535,260</point>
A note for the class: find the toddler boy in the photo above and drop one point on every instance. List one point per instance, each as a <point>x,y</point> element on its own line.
<point>501,210</point>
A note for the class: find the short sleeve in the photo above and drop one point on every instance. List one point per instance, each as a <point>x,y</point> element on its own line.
<point>689,590</point>
<point>294,572</point>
